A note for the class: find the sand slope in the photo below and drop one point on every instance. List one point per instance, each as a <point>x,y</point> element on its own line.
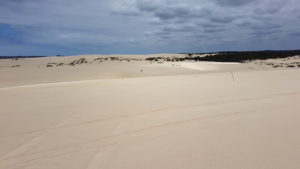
<point>144,115</point>
<point>186,121</point>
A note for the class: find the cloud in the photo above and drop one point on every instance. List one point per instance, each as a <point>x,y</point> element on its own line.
<point>222,19</point>
<point>126,8</point>
<point>152,25</point>
<point>167,11</point>
<point>263,33</point>
<point>172,12</point>
<point>270,7</point>
<point>234,2</point>
<point>213,30</point>
<point>295,34</point>
<point>148,5</point>
<point>265,26</point>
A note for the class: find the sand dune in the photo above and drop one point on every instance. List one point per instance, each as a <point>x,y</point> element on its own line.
<point>171,115</point>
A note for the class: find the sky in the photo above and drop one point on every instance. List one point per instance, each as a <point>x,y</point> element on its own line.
<point>69,27</point>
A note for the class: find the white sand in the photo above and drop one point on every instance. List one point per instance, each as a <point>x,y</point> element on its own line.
<point>172,115</point>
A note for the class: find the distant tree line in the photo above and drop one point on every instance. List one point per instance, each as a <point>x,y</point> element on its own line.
<point>19,57</point>
<point>230,56</point>
<point>234,56</point>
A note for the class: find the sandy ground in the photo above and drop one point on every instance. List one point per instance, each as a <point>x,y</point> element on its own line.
<point>112,115</point>
<point>60,69</point>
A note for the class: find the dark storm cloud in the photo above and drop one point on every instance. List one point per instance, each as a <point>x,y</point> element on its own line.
<point>297,34</point>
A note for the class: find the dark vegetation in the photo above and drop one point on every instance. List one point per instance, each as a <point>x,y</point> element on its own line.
<point>86,61</point>
<point>19,57</point>
<point>247,56</point>
<point>231,56</point>
<point>15,65</point>
<point>79,61</point>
